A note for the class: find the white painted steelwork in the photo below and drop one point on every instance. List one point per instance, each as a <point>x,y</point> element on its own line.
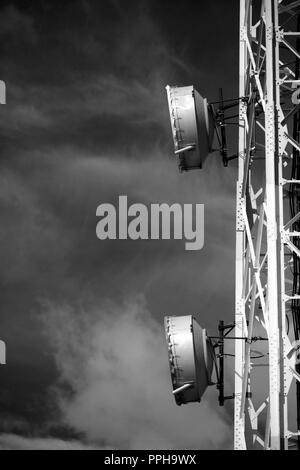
<point>264,390</point>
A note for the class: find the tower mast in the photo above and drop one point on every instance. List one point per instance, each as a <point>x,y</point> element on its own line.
<point>265,230</point>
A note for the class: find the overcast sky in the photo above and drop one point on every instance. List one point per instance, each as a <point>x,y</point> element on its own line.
<point>86,120</point>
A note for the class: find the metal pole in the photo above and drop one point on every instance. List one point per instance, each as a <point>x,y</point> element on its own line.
<point>239,418</point>
<point>221,363</point>
<point>273,304</point>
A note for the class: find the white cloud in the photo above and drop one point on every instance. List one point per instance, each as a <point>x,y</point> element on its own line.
<point>115,360</point>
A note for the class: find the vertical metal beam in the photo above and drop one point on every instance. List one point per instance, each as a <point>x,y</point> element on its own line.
<point>239,418</point>
<point>283,399</point>
<point>273,304</point>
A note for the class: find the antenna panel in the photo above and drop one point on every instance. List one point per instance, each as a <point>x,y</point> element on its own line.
<point>192,126</point>
<point>190,357</point>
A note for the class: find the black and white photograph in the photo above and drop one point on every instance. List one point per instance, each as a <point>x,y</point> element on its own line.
<point>150,227</point>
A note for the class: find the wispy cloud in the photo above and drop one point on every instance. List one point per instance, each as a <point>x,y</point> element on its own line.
<point>86,120</point>
<point>114,359</point>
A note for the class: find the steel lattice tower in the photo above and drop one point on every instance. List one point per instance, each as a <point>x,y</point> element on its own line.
<point>267,227</point>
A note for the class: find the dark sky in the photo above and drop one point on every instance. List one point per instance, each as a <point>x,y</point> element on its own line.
<point>86,120</point>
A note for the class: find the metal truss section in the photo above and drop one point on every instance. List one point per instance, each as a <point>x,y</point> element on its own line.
<point>267,374</point>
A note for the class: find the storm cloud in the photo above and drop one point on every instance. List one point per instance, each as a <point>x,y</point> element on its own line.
<point>86,120</point>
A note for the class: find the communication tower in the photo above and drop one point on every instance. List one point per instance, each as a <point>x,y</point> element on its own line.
<point>267,270</point>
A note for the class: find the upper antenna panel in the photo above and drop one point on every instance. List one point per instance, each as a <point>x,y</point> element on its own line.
<point>192,126</point>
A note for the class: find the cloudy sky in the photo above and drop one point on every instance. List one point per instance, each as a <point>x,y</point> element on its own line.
<point>86,120</point>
